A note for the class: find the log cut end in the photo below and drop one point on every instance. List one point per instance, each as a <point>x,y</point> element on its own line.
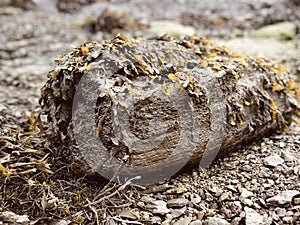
<point>152,106</point>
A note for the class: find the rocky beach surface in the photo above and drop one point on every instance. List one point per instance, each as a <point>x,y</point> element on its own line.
<point>259,184</point>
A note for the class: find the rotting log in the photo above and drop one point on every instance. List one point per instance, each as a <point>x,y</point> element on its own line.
<point>157,105</point>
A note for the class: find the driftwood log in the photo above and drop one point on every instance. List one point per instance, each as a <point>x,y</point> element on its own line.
<point>129,107</point>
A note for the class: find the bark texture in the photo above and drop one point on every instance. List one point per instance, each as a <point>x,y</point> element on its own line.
<point>159,104</point>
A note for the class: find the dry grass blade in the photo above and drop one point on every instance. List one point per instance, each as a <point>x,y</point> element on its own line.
<point>121,188</point>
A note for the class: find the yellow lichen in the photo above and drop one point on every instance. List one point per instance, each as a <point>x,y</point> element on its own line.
<point>282,69</point>
<point>204,63</point>
<point>274,110</point>
<point>172,77</point>
<point>89,66</point>
<point>247,103</point>
<point>212,55</point>
<point>276,87</point>
<point>271,68</point>
<point>138,57</point>
<point>217,68</point>
<point>84,50</point>
<point>53,73</point>
<point>166,90</point>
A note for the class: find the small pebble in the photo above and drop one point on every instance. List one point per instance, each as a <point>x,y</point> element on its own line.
<point>247,202</point>
<point>183,221</point>
<point>284,197</point>
<point>177,202</point>
<point>273,160</point>
<point>209,197</point>
<point>231,188</point>
<point>166,222</point>
<point>215,191</point>
<point>216,221</point>
<point>211,213</point>
<point>253,217</point>
<point>225,196</point>
<point>158,207</point>
<point>178,212</point>
<point>200,215</point>
<point>296,201</point>
<point>196,222</point>
<point>156,220</point>
<point>288,156</point>
<point>287,219</point>
<point>245,193</point>
<point>195,198</point>
<point>281,212</point>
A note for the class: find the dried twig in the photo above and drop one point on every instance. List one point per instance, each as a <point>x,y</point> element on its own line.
<point>122,187</point>
<point>94,211</point>
<point>126,221</point>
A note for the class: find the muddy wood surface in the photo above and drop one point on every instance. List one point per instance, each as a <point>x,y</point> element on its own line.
<point>259,184</point>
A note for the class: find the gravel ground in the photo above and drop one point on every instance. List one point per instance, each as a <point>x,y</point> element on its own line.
<point>259,184</point>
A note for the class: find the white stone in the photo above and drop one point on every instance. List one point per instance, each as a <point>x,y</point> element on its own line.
<point>245,193</point>
<point>158,207</point>
<point>284,197</point>
<point>216,221</point>
<point>273,160</point>
<point>253,217</point>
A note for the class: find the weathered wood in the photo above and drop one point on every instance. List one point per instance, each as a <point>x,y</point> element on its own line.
<point>157,105</point>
